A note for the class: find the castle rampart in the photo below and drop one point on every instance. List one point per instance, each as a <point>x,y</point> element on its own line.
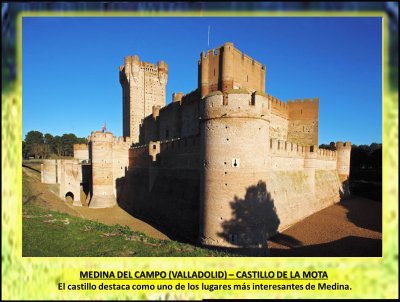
<point>227,164</point>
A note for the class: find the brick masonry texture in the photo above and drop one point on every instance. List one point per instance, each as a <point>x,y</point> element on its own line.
<point>225,165</point>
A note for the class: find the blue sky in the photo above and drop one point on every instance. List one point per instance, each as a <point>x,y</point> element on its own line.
<point>70,66</point>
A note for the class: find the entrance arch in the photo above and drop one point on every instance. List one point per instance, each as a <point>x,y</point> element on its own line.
<point>69,196</point>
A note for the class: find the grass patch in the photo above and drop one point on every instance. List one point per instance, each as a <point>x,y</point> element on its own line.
<point>27,193</point>
<point>47,233</point>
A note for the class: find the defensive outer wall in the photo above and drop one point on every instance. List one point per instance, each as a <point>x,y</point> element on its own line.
<point>230,184</point>
<point>227,165</point>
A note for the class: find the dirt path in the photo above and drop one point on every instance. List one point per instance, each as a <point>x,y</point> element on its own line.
<point>47,195</point>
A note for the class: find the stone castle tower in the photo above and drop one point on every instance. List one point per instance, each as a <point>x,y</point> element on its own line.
<point>144,86</point>
<point>226,68</point>
<point>343,151</point>
<point>227,169</point>
<point>228,163</point>
<point>101,157</point>
<point>109,157</point>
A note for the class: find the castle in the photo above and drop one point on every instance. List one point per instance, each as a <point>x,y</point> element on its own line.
<point>227,165</point>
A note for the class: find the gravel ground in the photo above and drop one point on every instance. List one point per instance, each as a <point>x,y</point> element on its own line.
<point>350,228</point>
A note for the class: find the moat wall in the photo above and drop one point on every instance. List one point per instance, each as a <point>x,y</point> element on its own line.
<point>166,190</point>
<point>167,193</point>
<point>227,165</point>
<point>179,184</point>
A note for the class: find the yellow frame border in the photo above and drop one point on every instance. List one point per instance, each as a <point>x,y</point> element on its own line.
<point>36,278</point>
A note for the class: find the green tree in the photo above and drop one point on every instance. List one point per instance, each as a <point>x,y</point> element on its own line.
<point>331,146</point>
<point>68,140</point>
<point>82,140</point>
<point>24,150</point>
<point>49,140</point>
<point>58,145</point>
<point>48,147</point>
<point>324,146</point>
<point>42,146</point>
<point>33,143</point>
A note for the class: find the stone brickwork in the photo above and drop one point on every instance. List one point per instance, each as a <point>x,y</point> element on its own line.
<point>303,121</point>
<point>143,86</point>
<point>81,152</point>
<point>49,173</point>
<point>109,159</point>
<point>227,68</point>
<point>71,178</point>
<point>226,164</point>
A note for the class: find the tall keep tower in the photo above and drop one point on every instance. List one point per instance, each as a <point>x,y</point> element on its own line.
<point>226,68</point>
<point>143,86</point>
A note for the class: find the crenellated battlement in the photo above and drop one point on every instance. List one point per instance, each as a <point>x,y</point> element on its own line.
<point>228,46</point>
<point>326,154</point>
<point>278,107</point>
<point>340,145</point>
<point>122,141</point>
<point>177,97</point>
<point>238,103</point>
<point>174,145</point>
<point>101,136</point>
<point>281,147</point>
<point>226,68</point>
<point>306,100</point>
<point>134,61</point>
<point>209,53</point>
<point>284,147</point>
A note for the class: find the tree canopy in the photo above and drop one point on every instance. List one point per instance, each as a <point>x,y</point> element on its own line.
<point>42,146</point>
<point>362,156</point>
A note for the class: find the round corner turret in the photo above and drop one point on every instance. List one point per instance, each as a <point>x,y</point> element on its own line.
<point>226,44</point>
<point>343,153</point>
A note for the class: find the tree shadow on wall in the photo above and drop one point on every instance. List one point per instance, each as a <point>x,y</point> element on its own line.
<point>254,220</point>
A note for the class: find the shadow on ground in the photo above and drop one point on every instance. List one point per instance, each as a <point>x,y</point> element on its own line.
<point>350,246</point>
<point>31,168</point>
<point>366,214</point>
